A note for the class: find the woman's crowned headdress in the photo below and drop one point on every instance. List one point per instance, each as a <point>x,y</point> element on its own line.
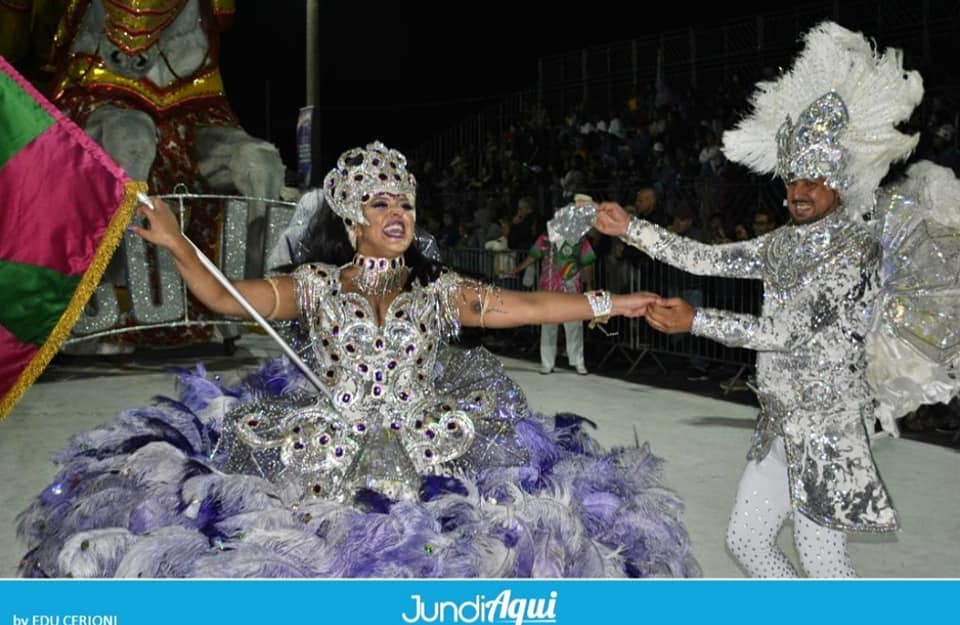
<point>362,172</point>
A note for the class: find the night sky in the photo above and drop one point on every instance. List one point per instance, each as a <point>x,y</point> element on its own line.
<point>403,71</point>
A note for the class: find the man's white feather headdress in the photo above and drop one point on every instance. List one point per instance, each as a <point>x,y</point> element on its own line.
<point>833,115</point>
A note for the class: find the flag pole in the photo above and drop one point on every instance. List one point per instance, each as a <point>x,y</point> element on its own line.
<point>225,282</point>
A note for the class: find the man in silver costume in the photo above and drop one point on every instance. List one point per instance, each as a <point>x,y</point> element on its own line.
<point>810,456</point>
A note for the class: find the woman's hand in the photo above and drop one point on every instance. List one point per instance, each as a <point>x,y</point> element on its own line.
<point>636,304</point>
<point>164,230</point>
<point>612,219</point>
<point>671,316</point>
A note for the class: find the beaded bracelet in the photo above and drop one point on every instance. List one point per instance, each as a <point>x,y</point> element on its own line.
<point>602,304</point>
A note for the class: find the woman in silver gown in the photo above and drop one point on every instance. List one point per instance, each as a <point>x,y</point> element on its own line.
<point>413,459</point>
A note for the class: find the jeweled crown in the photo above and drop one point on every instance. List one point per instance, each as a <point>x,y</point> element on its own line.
<point>362,172</point>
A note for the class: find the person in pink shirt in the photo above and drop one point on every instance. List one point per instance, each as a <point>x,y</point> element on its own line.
<point>565,269</point>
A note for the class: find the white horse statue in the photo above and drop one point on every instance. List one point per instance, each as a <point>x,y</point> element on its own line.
<point>142,78</point>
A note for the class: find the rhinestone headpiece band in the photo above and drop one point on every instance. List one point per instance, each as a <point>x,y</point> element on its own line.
<point>362,172</point>
<point>811,148</point>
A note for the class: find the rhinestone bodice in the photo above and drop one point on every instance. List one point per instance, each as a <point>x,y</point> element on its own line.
<point>381,422</point>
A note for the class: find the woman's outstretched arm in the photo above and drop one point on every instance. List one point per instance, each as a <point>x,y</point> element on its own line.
<point>490,307</point>
<point>273,298</point>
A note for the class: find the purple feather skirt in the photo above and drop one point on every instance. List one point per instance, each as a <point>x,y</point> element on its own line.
<point>148,495</point>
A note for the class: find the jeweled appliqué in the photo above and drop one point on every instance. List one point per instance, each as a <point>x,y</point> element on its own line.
<point>811,147</point>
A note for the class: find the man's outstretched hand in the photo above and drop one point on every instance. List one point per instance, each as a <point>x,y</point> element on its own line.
<point>671,316</point>
<point>612,219</point>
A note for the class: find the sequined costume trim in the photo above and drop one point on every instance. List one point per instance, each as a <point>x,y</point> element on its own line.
<point>734,260</point>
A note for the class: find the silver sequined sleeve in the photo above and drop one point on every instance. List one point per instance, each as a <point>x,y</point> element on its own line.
<point>731,260</point>
<point>761,333</point>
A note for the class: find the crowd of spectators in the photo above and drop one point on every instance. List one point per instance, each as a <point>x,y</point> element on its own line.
<point>659,155</point>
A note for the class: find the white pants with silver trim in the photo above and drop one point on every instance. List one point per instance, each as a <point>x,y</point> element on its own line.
<point>761,508</point>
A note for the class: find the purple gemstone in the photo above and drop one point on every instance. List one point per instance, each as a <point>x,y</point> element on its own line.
<point>379,344</point>
<point>376,391</point>
<point>361,427</point>
<point>298,445</point>
<point>410,349</point>
<point>336,330</point>
<point>370,263</point>
<point>395,426</point>
<point>392,364</point>
<point>363,368</point>
<point>378,376</point>
<point>351,348</point>
<point>428,453</point>
<point>338,451</point>
<point>345,398</point>
<point>403,395</point>
<point>324,439</point>
<point>431,434</point>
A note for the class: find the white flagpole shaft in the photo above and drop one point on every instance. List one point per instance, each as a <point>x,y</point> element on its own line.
<point>289,351</point>
<point>225,282</point>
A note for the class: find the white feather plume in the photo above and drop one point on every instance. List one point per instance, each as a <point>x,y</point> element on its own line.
<point>878,94</point>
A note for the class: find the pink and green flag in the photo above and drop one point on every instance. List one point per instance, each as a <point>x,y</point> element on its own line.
<point>64,205</point>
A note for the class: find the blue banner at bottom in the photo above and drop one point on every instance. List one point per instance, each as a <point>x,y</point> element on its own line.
<point>508,602</point>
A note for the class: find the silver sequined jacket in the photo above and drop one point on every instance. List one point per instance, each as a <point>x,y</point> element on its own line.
<point>386,417</point>
<point>820,283</point>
